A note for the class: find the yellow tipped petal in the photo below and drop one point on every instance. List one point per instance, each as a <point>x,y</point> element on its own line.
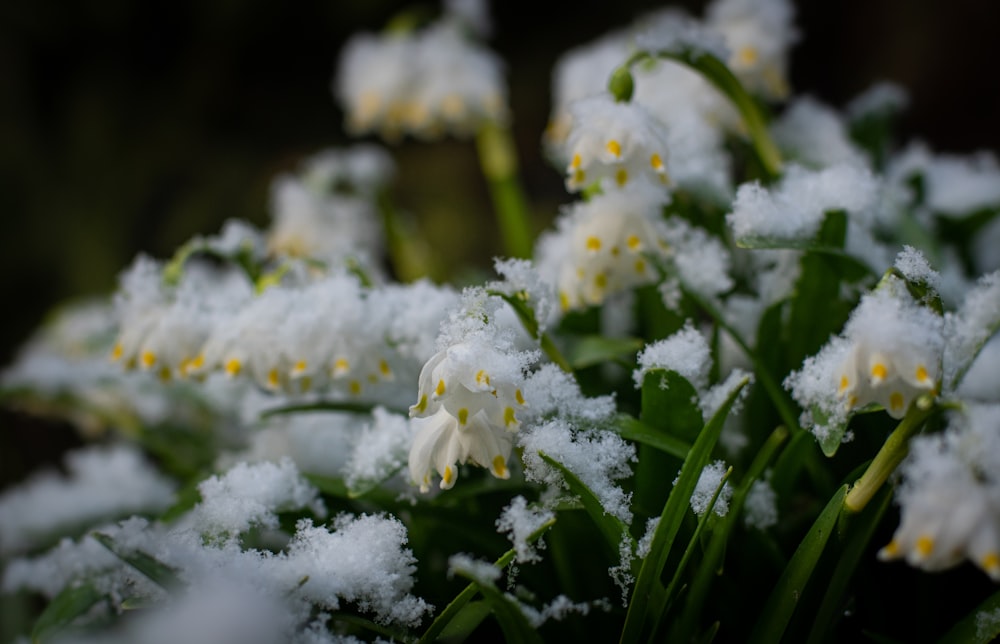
<point>463,416</point>
<point>439,390</point>
<point>383,368</point>
<point>614,148</point>
<point>579,176</point>
<point>447,477</point>
<point>563,301</point>
<point>896,401</point>
<point>421,405</point>
<point>991,563</point>
<point>355,387</point>
<point>299,367</point>
<point>519,397</point>
<point>508,417</point>
<point>482,377</point>
<point>891,550</point>
<point>921,375</point>
<point>621,177</point>
<point>500,467</point>
<point>341,366</point>
<point>924,546</point>
<point>116,353</point>
<point>575,163</point>
<point>656,162</point>
<point>845,382</point>
<point>272,379</point>
<point>165,374</point>
<point>147,359</point>
<point>640,266</point>
<point>593,243</point>
<point>879,372</point>
<point>633,242</point>
<point>233,367</point>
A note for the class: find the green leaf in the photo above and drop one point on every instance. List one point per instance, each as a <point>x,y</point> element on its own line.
<point>596,349</point>
<point>326,405</point>
<point>465,622</point>
<point>831,441</point>
<point>973,628</point>
<point>159,572</point>
<point>515,626</point>
<point>647,584</point>
<point>859,534</point>
<point>784,598</point>
<point>69,604</point>
<point>613,528</point>
<point>670,404</point>
<point>635,430</point>
<point>329,485</point>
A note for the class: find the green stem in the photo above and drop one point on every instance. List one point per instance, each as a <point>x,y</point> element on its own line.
<point>718,74</point>
<point>409,253</point>
<point>893,451</point>
<point>498,159</point>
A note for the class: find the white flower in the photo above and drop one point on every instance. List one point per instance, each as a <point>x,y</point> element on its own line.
<point>889,353</point>
<point>424,84</point>
<point>614,142</point>
<point>602,246</point>
<point>950,496</point>
<point>759,33</point>
<point>463,414</point>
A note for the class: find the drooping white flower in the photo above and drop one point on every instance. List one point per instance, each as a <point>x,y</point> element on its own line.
<point>889,353</point>
<point>469,396</point>
<point>759,33</point>
<point>426,84</point>
<point>613,142</point>
<point>950,496</point>
<point>602,246</point>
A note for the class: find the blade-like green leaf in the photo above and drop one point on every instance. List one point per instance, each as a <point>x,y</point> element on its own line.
<point>670,521</point>
<point>613,528</point>
<point>69,604</point>
<point>157,571</point>
<point>515,626</point>
<point>978,627</point>
<point>669,404</point>
<point>784,598</point>
<point>465,622</point>
<point>596,349</point>
<point>635,430</point>
<point>326,405</point>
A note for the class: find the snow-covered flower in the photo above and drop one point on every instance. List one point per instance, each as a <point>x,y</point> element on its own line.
<point>613,142</point>
<point>889,353</point>
<point>469,396</point>
<point>425,83</point>
<point>602,246</point>
<point>950,496</point>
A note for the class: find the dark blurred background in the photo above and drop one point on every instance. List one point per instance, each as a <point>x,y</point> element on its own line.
<point>130,126</point>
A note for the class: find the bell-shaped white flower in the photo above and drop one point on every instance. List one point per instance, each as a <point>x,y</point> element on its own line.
<point>464,413</point>
<point>950,496</point>
<point>614,143</point>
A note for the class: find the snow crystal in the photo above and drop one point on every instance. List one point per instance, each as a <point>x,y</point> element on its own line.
<point>380,450</point>
<point>482,571</point>
<point>711,401</point>
<point>708,482</point>
<point>251,495</point>
<point>519,522</point>
<point>968,329</point>
<point>551,391</point>
<point>881,98</point>
<point>102,483</point>
<point>760,510</point>
<point>815,134</point>
<point>686,352</point>
<point>915,267</point>
<point>794,209</point>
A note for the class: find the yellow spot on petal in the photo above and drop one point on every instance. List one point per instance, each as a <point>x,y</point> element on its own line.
<point>601,281</point>
<point>198,362</point>
<point>519,397</point>
<point>165,374</point>
<point>305,384</point>
<point>421,405</point>
<point>633,242</point>
<point>383,368</point>
<point>656,162</point>
<point>891,549</point>
<point>116,353</point>
<point>991,562</point>
<point>355,387</point>
<point>233,367</point>
<point>575,163</point>
<point>299,367</point>
<point>579,176</point>
<point>621,177</point>
<point>563,301</point>
<point>640,266</point>
<point>852,400</point>
<point>463,416</point>
<point>615,251</point>
<point>148,359</point>
<point>482,377</point>
<point>439,390</point>
<point>925,545</point>
<point>747,55</point>
<point>272,379</point>
<point>508,417</point>
<point>447,477</point>
<point>614,148</point>
<point>593,243</point>
<point>896,401</point>
<point>373,378</point>
<point>921,374</point>
<point>879,372</point>
<point>844,383</point>
<point>341,366</point>
<point>500,467</point>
